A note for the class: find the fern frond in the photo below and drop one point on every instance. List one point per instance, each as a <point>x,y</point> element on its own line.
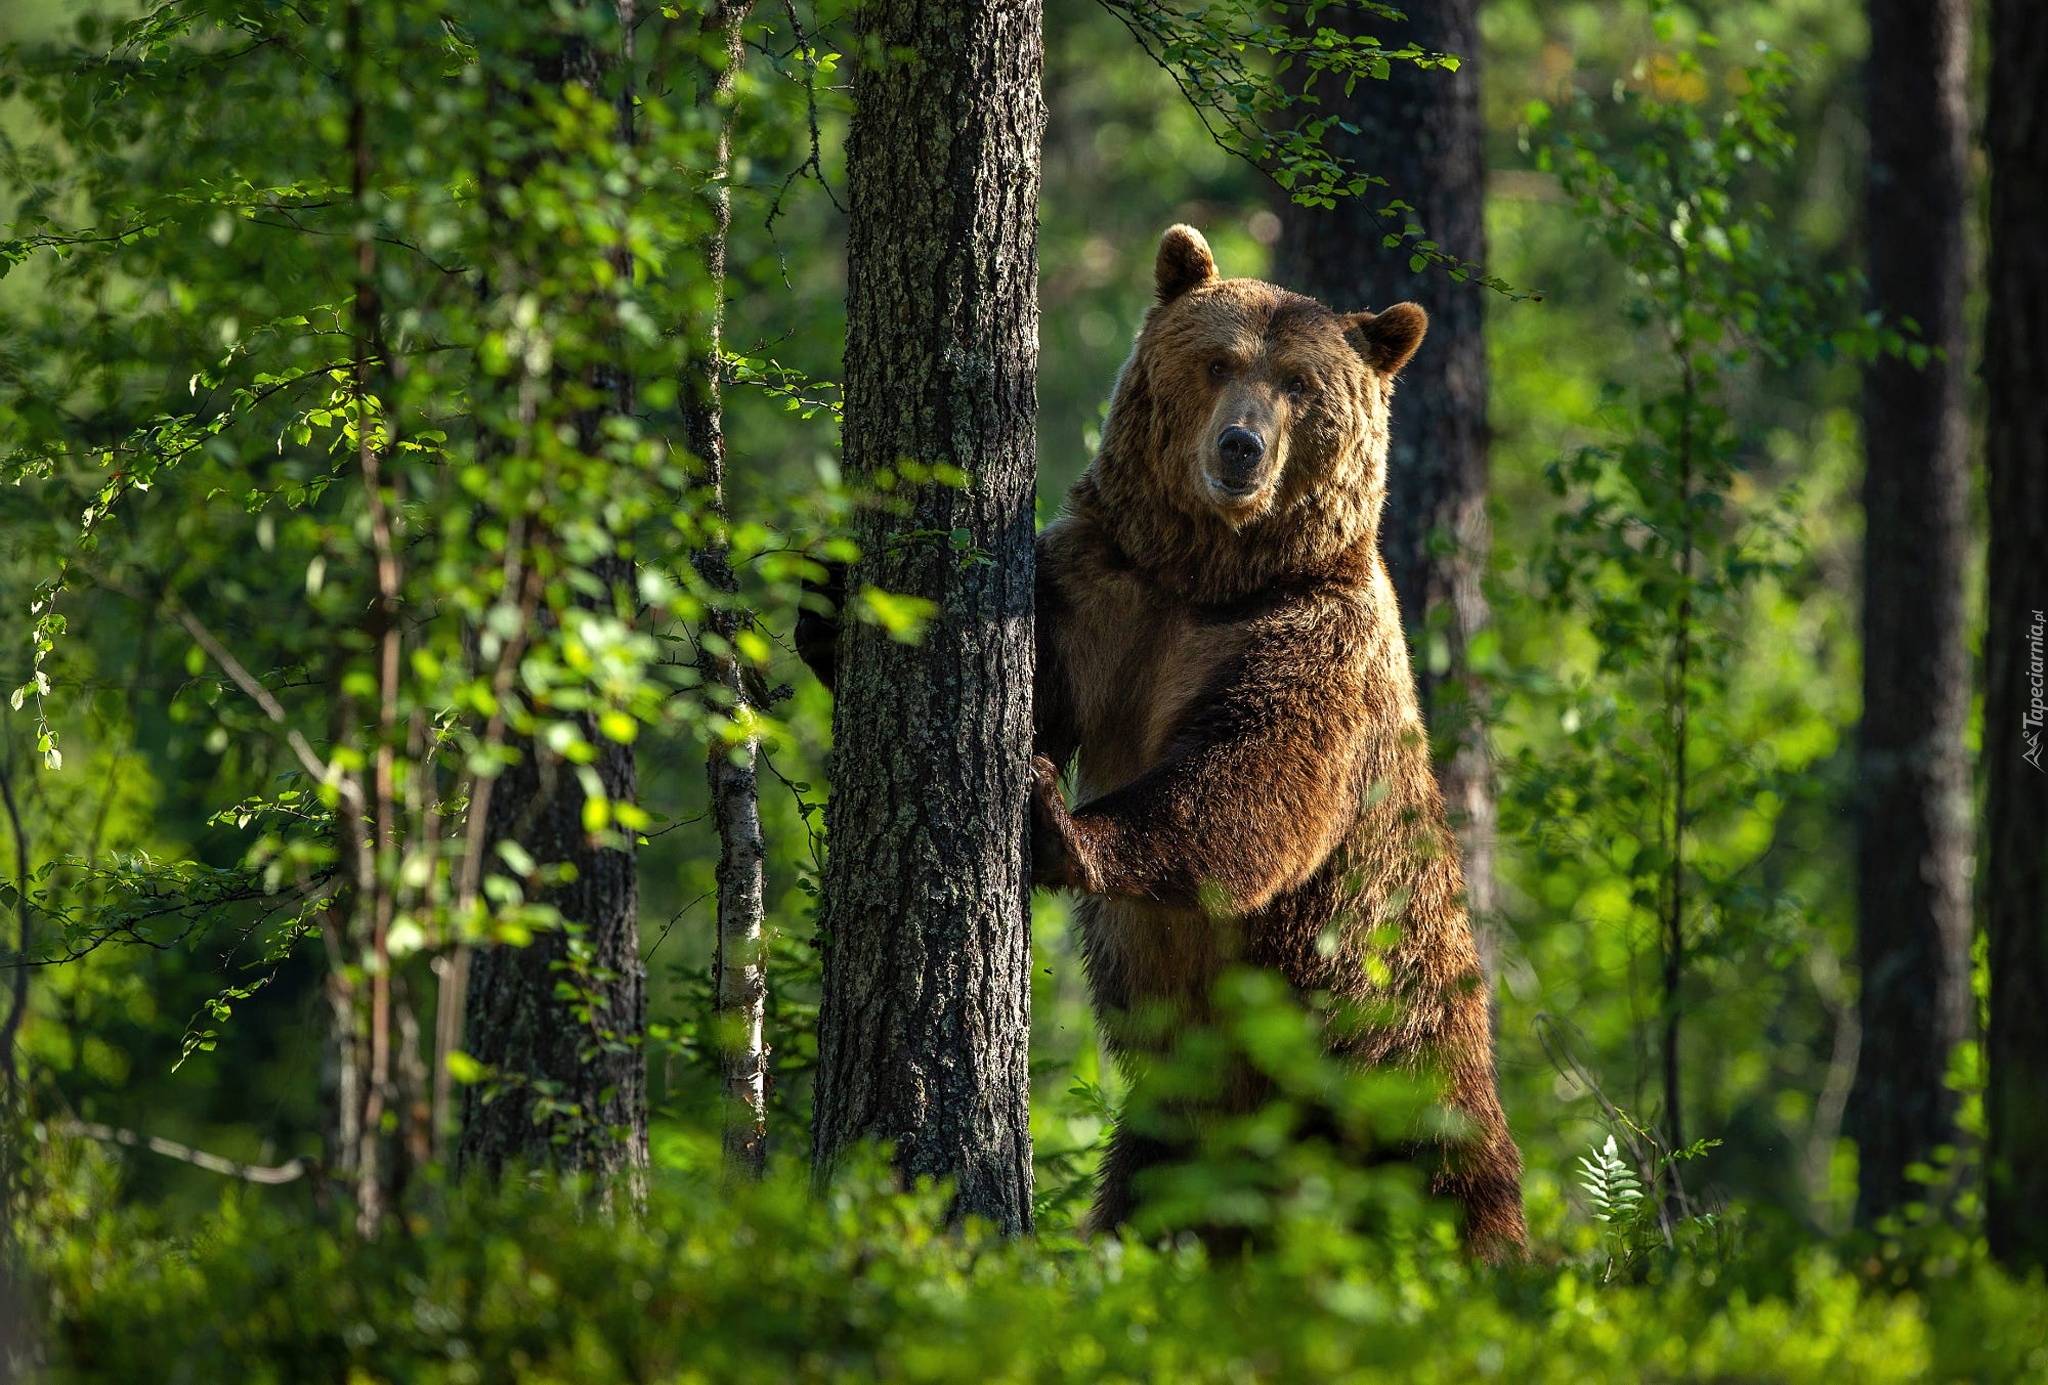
<point>1613,1189</point>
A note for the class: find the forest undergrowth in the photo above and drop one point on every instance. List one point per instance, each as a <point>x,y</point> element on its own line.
<point>863,1282</point>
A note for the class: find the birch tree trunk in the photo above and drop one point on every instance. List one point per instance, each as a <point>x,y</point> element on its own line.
<point>741,962</point>
<point>1422,132</point>
<point>924,1024</point>
<point>2015,846</point>
<point>1913,791</point>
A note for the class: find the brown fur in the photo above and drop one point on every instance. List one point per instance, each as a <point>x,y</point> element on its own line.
<point>1231,671</point>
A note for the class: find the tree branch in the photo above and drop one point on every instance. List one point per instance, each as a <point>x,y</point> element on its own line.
<point>198,1158</point>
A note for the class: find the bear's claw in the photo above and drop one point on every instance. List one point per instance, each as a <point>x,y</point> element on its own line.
<point>1056,857</point>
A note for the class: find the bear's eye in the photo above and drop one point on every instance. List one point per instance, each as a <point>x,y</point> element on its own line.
<point>1297,385</point>
<point>1219,370</point>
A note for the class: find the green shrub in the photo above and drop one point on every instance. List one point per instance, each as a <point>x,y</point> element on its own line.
<point>865,1283</point>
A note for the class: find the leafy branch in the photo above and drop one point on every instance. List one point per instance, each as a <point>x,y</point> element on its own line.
<point>1208,49</point>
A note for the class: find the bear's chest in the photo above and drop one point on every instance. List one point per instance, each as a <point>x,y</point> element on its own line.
<point>1138,666</point>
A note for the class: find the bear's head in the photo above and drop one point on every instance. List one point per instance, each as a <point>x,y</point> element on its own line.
<point>1247,438</point>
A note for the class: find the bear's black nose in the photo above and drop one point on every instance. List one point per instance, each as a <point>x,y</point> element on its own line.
<point>1240,449</point>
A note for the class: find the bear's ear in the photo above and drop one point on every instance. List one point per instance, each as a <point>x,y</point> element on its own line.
<point>1184,263</point>
<point>1387,339</point>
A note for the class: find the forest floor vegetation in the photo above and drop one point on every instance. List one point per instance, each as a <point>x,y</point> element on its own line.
<point>864,1282</point>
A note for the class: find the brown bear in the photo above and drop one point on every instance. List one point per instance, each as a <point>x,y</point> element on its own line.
<point>1221,657</point>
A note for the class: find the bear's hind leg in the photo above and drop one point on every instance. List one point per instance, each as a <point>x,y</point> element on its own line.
<point>1116,1199</point>
<point>1483,1172</point>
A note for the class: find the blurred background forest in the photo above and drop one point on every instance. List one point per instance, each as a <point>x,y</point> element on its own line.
<point>206,1027</point>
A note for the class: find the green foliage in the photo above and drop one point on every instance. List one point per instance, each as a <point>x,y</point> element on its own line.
<point>1208,50</point>
<point>1643,1223</point>
<point>1613,1191</point>
<point>355,421</point>
<point>1316,1149</point>
<point>1663,793</point>
<point>864,1284</point>
<point>1233,60</point>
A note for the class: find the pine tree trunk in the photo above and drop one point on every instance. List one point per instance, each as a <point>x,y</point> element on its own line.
<point>580,1053</point>
<point>561,1022</point>
<point>924,1025</point>
<point>1913,779</point>
<point>2015,846</point>
<point>741,979</point>
<point>1422,132</point>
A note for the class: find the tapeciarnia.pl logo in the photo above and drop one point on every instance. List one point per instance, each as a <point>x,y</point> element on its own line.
<point>2037,701</point>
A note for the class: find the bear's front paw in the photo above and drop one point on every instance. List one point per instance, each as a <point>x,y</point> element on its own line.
<point>1058,859</point>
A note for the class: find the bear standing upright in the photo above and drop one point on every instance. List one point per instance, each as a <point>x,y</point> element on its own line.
<point>1221,655</point>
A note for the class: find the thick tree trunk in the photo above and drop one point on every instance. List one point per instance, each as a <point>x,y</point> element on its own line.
<point>571,1091</point>
<point>2015,845</point>
<point>562,1021</point>
<point>741,965</point>
<point>925,1020</point>
<point>1422,132</point>
<point>1913,779</point>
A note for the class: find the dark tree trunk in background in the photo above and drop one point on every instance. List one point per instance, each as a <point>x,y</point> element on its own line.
<point>924,1026</point>
<point>581,1052</point>
<point>562,1021</point>
<point>2015,847</point>
<point>1422,132</point>
<point>1913,779</point>
<point>18,1325</point>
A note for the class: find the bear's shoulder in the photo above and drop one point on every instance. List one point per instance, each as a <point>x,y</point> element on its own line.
<point>1077,549</point>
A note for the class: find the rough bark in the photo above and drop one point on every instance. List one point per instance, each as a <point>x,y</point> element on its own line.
<point>561,1021</point>
<point>578,1054</point>
<point>1422,132</point>
<point>741,978</point>
<point>1913,779</point>
<point>2015,847</point>
<point>925,1017</point>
